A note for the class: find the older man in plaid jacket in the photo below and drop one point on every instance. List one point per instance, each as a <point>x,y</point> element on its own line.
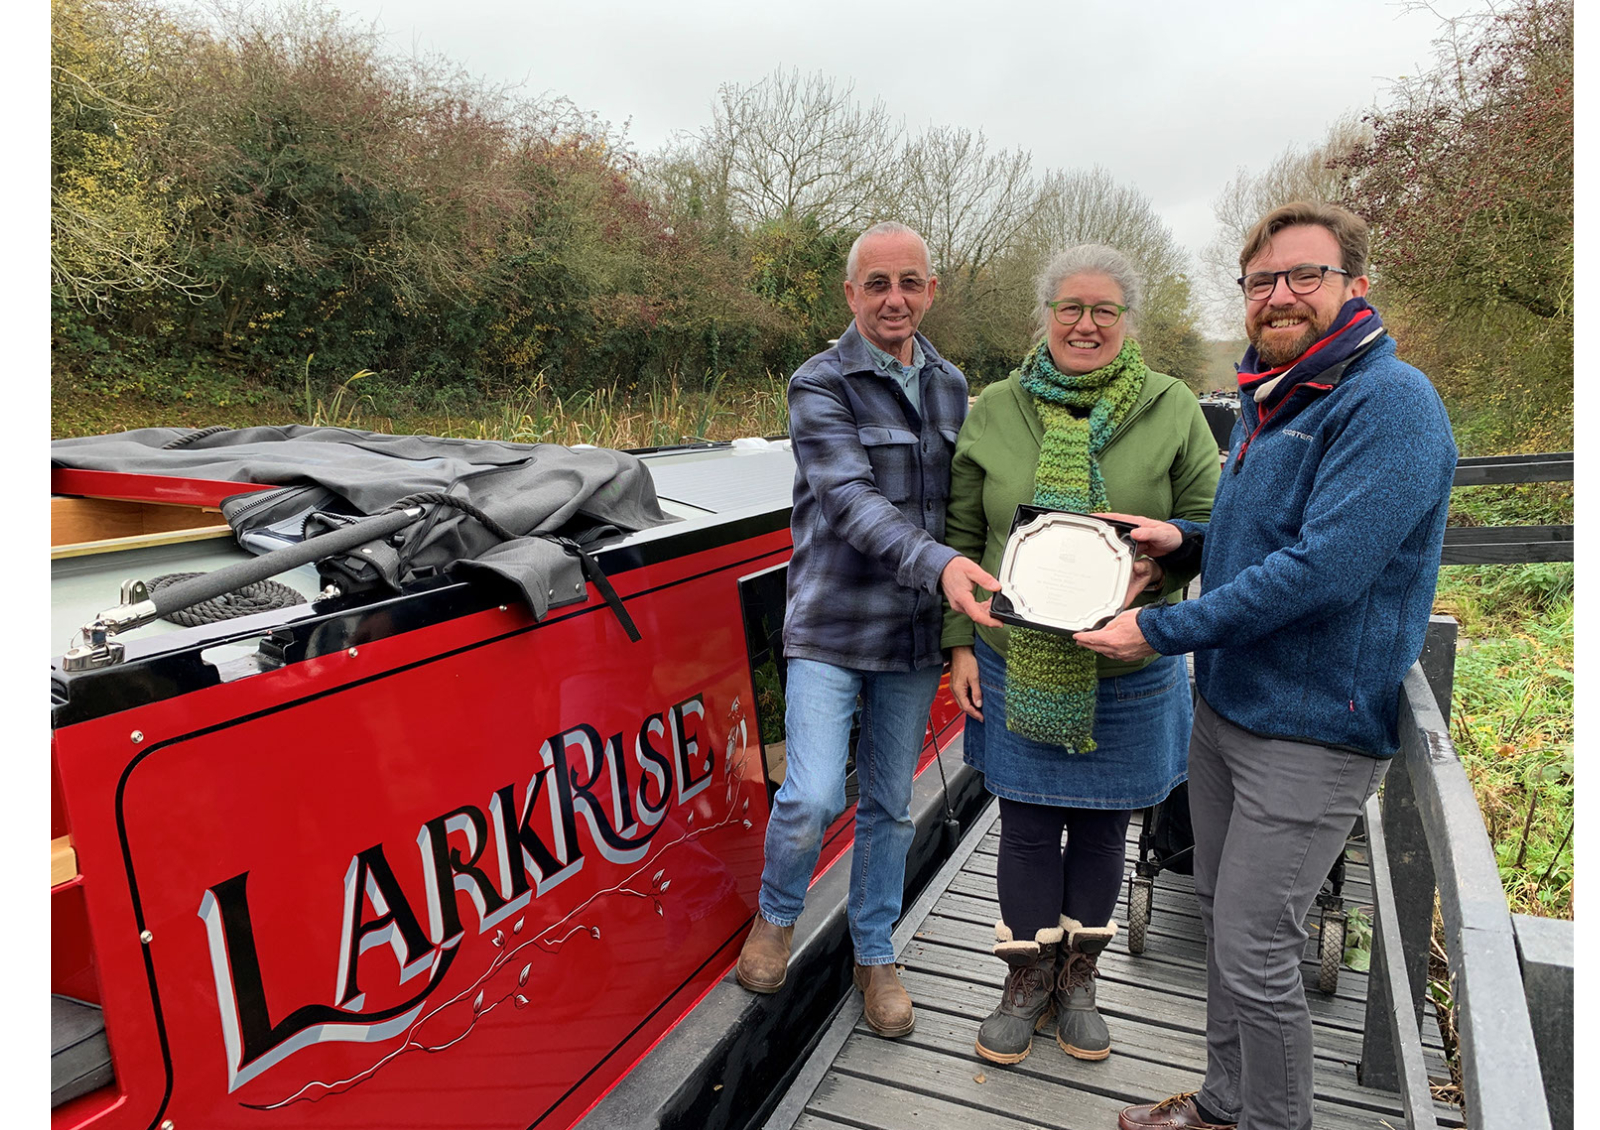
<point>873,422</point>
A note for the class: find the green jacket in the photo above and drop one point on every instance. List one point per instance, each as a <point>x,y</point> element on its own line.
<point>1161,463</point>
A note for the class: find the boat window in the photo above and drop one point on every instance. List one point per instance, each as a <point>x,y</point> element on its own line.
<point>762,596</point>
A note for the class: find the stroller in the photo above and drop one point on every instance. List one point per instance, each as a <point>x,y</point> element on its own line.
<point>1166,843</point>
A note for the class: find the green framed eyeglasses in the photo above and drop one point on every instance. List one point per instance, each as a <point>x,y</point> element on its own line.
<point>1102,314</point>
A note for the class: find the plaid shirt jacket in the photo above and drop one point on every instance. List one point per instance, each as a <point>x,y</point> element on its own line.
<point>872,475</point>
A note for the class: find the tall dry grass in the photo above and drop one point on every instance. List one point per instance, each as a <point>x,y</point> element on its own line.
<point>659,416</point>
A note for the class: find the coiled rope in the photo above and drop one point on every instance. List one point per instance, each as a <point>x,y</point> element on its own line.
<point>262,596</point>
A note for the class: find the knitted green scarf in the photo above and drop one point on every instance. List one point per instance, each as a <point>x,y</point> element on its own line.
<point>1051,681</point>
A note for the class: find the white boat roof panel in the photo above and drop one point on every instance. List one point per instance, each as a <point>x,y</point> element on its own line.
<point>726,478</point>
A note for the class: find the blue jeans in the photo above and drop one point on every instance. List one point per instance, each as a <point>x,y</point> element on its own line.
<point>821,701</point>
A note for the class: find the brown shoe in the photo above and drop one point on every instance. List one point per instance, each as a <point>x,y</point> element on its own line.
<point>1175,1113</point>
<point>887,1005</point>
<point>764,960</point>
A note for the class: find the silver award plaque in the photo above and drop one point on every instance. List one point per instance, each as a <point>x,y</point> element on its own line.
<point>1064,572</point>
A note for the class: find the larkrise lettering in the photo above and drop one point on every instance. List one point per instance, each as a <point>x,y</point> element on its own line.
<point>533,844</point>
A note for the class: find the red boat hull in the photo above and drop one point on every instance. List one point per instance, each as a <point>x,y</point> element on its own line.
<point>463,874</point>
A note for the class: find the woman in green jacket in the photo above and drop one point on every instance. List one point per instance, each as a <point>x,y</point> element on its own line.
<point>1069,741</point>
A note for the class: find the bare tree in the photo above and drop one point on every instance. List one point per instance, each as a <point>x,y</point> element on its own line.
<point>1091,207</point>
<point>1298,173</point>
<point>969,204</point>
<point>793,147</point>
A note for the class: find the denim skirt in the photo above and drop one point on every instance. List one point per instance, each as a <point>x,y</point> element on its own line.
<point>1141,733</point>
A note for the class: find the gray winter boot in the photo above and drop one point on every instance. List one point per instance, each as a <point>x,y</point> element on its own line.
<point>1080,1030</point>
<point>1007,1035</point>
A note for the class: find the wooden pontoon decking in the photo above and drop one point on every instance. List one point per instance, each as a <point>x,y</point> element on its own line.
<point>1154,1004</point>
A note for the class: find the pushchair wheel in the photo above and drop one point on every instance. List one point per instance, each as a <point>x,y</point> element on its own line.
<point>1140,891</point>
<point>1331,949</point>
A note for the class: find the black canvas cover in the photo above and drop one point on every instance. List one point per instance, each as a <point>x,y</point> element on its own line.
<point>80,1058</point>
<point>517,502</point>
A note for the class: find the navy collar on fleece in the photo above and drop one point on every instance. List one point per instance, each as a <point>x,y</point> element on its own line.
<point>1356,327</point>
<point>1326,381</point>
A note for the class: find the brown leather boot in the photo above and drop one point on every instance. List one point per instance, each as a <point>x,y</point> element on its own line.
<point>764,960</point>
<point>888,1006</point>
<point>1178,1112</point>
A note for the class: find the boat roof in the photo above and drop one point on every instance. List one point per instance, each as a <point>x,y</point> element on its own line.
<point>701,485</point>
<point>727,477</point>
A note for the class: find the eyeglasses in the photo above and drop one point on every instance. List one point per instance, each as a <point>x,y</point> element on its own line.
<point>1307,278</point>
<point>1070,313</point>
<point>878,286</point>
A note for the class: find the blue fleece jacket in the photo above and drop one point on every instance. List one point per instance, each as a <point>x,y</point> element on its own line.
<point>1320,559</point>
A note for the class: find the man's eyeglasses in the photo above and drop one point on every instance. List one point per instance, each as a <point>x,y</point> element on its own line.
<point>1307,278</point>
<point>878,286</point>
<point>1070,313</point>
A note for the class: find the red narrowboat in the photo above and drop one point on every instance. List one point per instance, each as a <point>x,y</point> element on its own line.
<point>402,846</point>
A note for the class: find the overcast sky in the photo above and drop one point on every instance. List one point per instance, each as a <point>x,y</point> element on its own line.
<point>1196,90</point>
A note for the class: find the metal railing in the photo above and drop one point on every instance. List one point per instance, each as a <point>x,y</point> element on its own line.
<point>1512,994</point>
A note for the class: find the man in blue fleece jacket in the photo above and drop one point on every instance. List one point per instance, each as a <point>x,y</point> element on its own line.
<point>1318,571</point>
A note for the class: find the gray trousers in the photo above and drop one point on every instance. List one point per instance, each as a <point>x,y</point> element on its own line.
<point>1270,817</point>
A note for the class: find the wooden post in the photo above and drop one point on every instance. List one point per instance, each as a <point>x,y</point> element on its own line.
<point>1439,660</point>
<point>1545,951</point>
<point>1410,862</point>
<point>1391,1042</point>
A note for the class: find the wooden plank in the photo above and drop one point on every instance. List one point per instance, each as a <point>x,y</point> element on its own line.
<point>1163,947</point>
<point>77,520</point>
<point>1498,553</point>
<point>1484,470</point>
<point>1170,958</point>
<point>1357,880</point>
<point>939,1091</point>
<point>1546,949</point>
<point>1500,545</point>
<point>1177,891</point>
<point>978,993</point>
<point>1175,935</point>
<point>140,541</point>
<point>63,860</point>
<point>1391,1048</point>
<point>1122,975</point>
<point>1173,897</point>
<point>1499,1064</point>
<point>933,992</point>
<point>1154,1004</point>
<point>894,1085</point>
<point>1127,1072</point>
<point>1491,535</point>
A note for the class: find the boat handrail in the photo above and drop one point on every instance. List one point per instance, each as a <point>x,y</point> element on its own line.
<point>139,607</point>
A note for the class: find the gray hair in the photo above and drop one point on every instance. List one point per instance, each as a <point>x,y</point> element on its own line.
<point>886,227</point>
<point>1085,259</point>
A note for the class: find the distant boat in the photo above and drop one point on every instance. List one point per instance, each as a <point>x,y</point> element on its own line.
<point>1221,410</point>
